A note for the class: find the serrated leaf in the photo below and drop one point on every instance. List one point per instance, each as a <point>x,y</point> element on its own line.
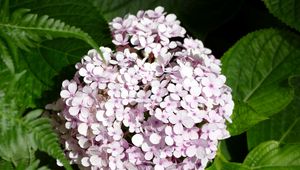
<point>14,146</point>
<point>51,58</point>
<point>81,14</point>
<point>257,69</point>
<point>287,11</point>
<point>47,140</point>
<point>284,126</point>
<point>25,28</point>
<point>22,136</point>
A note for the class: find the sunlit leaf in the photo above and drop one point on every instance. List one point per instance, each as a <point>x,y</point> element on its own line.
<point>257,69</point>
<point>284,126</point>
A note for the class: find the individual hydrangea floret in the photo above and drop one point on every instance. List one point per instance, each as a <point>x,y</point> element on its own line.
<point>158,102</point>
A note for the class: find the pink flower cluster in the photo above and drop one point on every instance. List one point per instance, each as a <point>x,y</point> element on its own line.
<point>158,102</point>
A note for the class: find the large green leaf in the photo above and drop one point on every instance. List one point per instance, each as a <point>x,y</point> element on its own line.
<point>81,14</point>
<point>42,65</point>
<point>287,11</point>
<point>198,16</point>
<point>284,126</point>
<point>22,136</point>
<point>269,155</point>
<point>257,69</point>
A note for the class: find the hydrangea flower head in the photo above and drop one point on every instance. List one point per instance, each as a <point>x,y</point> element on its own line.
<point>158,102</point>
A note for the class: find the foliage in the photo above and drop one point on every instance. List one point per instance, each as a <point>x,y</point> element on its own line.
<point>41,40</point>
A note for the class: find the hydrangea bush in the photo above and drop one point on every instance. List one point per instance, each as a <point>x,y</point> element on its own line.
<point>159,101</point>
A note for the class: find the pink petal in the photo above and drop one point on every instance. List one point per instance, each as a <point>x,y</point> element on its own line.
<point>175,96</point>
<point>155,138</point>
<point>137,140</point>
<point>178,128</point>
<point>191,151</point>
<point>148,155</point>
<point>85,162</point>
<point>188,122</point>
<point>72,88</point>
<point>98,71</point>
<point>73,111</point>
<point>96,160</point>
<point>65,94</point>
<point>195,91</point>
<point>82,72</point>
<point>169,141</point>
<point>171,18</point>
<point>82,129</point>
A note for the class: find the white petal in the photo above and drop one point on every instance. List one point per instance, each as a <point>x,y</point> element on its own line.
<point>82,72</point>
<point>158,167</point>
<point>73,111</point>
<point>116,25</point>
<point>207,91</point>
<point>137,140</point>
<point>169,141</point>
<point>172,45</point>
<point>85,162</point>
<point>195,91</point>
<point>191,151</point>
<point>175,96</point>
<point>173,118</point>
<point>168,130</point>
<point>194,135</point>
<point>109,105</point>
<point>159,9</point>
<point>72,87</point>
<point>148,156</point>
<point>95,160</point>
<point>142,41</point>
<point>65,94</point>
<point>155,138</point>
<point>90,67</point>
<point>205,81</point>
<point>186,71</point>
<point>188,122</point>
<point>178,128</point>
<point>99,115</point>
<point>162,28</point>
<point>200,153</point>
<point>82,129</point>
<point>98,70</point>
<point>109,112</point>
<point>177,154</point>
<point>170,17</point>
<point>124,93</point>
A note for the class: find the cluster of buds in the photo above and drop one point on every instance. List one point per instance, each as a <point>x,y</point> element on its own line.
<point>158,102</point>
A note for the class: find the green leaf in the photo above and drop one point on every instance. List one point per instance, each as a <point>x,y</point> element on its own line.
<point>273,155</point>
<point>47,140</point>
<point>22,136</point>
<point>288,11</point>
<point>257,69</point>
<point>24,29</point>
<point>269,155</point>
<point>284,126</point>
<point>6,165</point>
<point>14,145</point>
<point>81,14</point>
<point>206,20</point>
<point>51,58</point>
